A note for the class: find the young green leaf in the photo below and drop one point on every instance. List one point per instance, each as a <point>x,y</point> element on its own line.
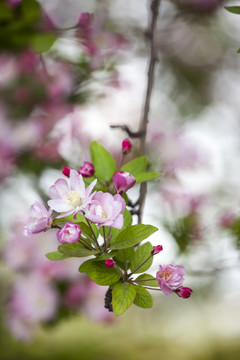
<point>141,255</point>
<point>100,273</point>
<point>135,166</point>
<point>233,9</point>
<point>143,299</point>
<point>148,282</point>
<point>76,250</point>
<point>123,295</point>
<point>132,236</point>
<point>43,42</point>
<point>124,257</point>
<point>127,218</point>
<point>83,267</point>
<point>104,163</point>
<point>57,255</point>
<point>147,176</point>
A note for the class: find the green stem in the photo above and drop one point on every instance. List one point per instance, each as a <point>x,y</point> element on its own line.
<point>108,238</point>
<point>83,241</point>
<point>142,280</point>
<point>149,288</point>
<point>94,236</point>
<point>138,267</point>
<point>104,239</point>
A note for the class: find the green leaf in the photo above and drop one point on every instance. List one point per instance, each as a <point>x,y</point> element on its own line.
<point>238,51</point>
<point>141,254</point>
<point>124,257</point>
<point>135,166</point>
<point>123,295</point>
<point>100,273</point>
<point>146,176</point>
<point>152,283</point>
<point>104,163</point>
<point>43,42</point>
<point>83,267</point>
<point>76,250</point>
<point>233,9</point>
<point>143,299</point>
<point>132,236</point>
<point>57,255</point>
<point>109,255</point>
<point>127,217</point>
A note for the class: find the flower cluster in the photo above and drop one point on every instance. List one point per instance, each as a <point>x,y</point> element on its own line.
<point>93,214</point>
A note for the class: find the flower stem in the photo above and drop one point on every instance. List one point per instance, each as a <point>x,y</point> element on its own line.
<point>138,267</point>
<point>142,280</point>
<point>94,236</point>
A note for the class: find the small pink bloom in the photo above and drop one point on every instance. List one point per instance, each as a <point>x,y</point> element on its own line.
<point>156,249</point>
<point>109,263</point>
<point>70,233</point>
<point>40,217</point>
<point>126,146</point>
<point>170,277</point>
<point>106,210</point>
<point>123,181</point>
<point>73,198</point>
<point>66,171</point>
<point>183,292</point>
<point>87,169</point>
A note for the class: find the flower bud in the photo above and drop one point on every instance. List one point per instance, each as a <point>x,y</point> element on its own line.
<point>66,171</point>
<point>84,20</point>
<point>87,170</point>
<point>109,263</point>
<point>126,146</point>
<point>183,292</point>
<point>123,181</point>
<point>70,233</point>
<point>156,249</point>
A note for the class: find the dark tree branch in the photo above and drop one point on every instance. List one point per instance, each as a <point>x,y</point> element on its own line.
<point>144,120</point>
<point>131,134</point>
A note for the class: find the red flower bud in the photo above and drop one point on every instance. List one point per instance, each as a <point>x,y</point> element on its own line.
<point>66,171</point>
<point>109,263</point>
<point>126,146</point>
<point>87,170</point>
<point>156,249</point>
<point>183,292</point>
<point>123,181</point>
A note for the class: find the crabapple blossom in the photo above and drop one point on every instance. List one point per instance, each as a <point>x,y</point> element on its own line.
<point>183,292</point>
<point>106,210</point>
<point>126,146</point>
<point>69,233</point>
<point>73,198</point>
<point>87,169</point>
<point>170,277</point>
<point>123,181</point>
<point>41,219</point>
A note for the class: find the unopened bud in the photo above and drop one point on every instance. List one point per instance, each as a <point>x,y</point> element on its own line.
<point>109,263</point>
<point>123,181</point>
<point>126,146</point>
<point>87,170</point>
<point>183,292</point>
<point>156,249</point>
<point>66,171</point>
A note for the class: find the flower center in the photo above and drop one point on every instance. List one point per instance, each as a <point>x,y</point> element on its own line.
<point>165,274</point>
<point>104,215</point>
<point>73,198</point>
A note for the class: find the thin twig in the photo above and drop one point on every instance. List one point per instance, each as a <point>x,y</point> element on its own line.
<point>144,121</point>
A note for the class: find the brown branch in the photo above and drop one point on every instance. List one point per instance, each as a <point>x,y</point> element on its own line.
<point>144,120</point>
<point>131,134</point>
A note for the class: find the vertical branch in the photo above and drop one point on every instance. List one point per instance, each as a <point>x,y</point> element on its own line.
<point>144,120</point>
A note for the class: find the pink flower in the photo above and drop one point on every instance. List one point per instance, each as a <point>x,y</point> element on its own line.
<point>70,199</point>
<point>109,263</point>
<point>123,181</point>
<point>170,277</point>
<point>87,169</point>
<point>126,146</point>
<point>66,171</point>
<point>84,20</point>
<point>69,233</point>
<point>41,219</point>
<point>156,249</point>
<point>183,292</point>
<point>106,210</point>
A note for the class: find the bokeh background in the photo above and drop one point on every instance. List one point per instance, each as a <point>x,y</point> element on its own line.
<point>70,69</point>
